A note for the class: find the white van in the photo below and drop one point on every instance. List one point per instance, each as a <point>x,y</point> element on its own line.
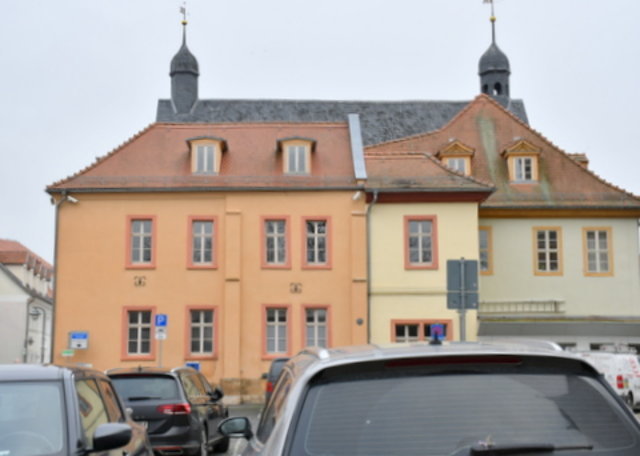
<point>622,372</point>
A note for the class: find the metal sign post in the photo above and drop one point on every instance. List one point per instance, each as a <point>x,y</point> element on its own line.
<point>462,289</point>
<point>161,334</point>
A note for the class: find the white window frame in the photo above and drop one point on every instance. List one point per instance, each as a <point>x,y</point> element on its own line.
<point>144,240</point>
<point>406,337</point>
<point>317,252</point>
<point>205,158</point>
<point>316,327</point>
<point>202,242</point>
<point>598,254</point>
<point>523,168</point>
<point>545,254</point>
<point>276,334</point>
<point>275,241</point>
<point>138,326</point>
<point>421,237</point>
<point>458,164</point>
<point>297,159</point>
<point>200,327</point>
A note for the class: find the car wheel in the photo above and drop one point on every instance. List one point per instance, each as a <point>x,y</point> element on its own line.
<point>222,446</point>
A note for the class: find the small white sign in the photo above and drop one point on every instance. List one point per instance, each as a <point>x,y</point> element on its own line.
<point>161,332</point>
<point>79,340</point>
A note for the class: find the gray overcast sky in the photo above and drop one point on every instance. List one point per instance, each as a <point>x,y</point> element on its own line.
<point>81,77</point>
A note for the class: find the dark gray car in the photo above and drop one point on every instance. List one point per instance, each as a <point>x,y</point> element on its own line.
<point>55,410</point>
<point>179,408</point>
<point>454,399</point>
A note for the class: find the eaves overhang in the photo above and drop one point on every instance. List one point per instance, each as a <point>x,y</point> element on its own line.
<point>559,212</point>
<point>386,195</point>
<point>211,189</point>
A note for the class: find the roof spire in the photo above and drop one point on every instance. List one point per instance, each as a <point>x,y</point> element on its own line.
<point>184,73</point>
<point>494,67</point>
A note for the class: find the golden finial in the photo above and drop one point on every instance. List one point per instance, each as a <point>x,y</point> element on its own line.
<point>183,11</point>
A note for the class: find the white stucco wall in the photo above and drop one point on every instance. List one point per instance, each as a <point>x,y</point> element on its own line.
<point>13,304</point>
<point>513,276</point>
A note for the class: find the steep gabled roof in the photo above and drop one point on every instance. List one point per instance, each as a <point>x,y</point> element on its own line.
<point>490,130</point>
<point>381,121</point>
<point>158,159</point>
<point>14,253</point>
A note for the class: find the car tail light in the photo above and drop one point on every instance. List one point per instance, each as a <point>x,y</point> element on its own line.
<point>620,382</point>
<point>175,409</point>
<point>269,387</point>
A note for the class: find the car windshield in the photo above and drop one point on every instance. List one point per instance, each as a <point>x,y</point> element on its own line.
<point>446,414</point>
<point>31,418</point>
<point>146,387</point>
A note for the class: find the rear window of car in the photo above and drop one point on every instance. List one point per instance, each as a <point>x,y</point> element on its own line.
<point>146,387</point>
<point>418,412</point>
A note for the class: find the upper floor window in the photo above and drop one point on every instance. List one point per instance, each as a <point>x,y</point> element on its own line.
<point>421,242</point>
<point>296,155</point>
<point>548,251</point>
<point>277,334</point>
<point>522,162</point>
<point>486,253</point>
<point>598,251</point>
<point>457,156</point>
<point>206,154</point>
<point>275,243</point>
<point>316,247</point>
<point>141,241</point>
<point>202,231</point>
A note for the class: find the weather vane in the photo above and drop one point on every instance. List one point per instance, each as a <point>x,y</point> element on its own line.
<point>183,11</point>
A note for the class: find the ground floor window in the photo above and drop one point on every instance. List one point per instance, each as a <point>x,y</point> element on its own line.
<point>420,330</point>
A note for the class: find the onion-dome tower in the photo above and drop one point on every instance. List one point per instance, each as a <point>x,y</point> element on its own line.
<point>494,70</point>
<point>184,76</point>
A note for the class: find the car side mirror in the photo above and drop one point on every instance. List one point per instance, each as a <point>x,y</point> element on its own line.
<point>109,436</point>
<point>237,426</point>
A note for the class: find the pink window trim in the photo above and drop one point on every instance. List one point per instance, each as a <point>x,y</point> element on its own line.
<point>263,241</point>
<point>421,323</point>
<point>152,264</point>
<point>214,249</point>
<point>434,242</point>
<point>265,354</point>
<point>187,334</point>
<point>124,334</point>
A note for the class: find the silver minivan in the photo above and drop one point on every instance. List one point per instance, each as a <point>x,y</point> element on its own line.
<point>449,399</point>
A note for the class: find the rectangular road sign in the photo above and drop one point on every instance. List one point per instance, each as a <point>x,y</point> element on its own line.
<point>161,320</point>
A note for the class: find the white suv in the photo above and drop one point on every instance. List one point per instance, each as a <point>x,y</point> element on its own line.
<point>457,399</point>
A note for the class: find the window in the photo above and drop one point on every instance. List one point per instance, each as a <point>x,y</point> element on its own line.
<point>93,411</point>
<point>206,154</point>
<point>276,342</point>
<point>201,332</point>
<point>458,164</point>
<point>296,155</point>
<point>486,257</point>
<point>202,233</point>
<point>275,243</point>
<point>421,330</point>
<point>141,243</point>
<point>316,247</point>
<point>547,251</point>
<point>420,247</point>
<point>598,251</point>
<point>138,332</point>
<point>316,327</point>
<point>522,161</point>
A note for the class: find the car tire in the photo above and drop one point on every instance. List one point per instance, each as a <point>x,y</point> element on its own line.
<point>222,446</point>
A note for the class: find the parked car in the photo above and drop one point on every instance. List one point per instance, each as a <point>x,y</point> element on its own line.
<point>454,399</point>
<point>621,370</point>
<point>179,408</point>
<point>274,371</point>
<point>54,410</point>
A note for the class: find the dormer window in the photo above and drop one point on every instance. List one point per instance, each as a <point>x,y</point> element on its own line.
<point>206,154</point>
<point>296,155</point>
<point>522,162</point>
<point>457,156</point>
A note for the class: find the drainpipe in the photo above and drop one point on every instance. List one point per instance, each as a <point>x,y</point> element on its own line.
<point>64,197</point>
<point>26,329</point>
<point>369,208</point>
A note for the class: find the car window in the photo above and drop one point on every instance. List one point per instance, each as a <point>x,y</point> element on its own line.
<point>144,387</point>
<point>435,415</point>
<point>33,408</point>
<point>193,388</point>
<point>111,401</point>
<point>274,407</point>
<point>93,411</point>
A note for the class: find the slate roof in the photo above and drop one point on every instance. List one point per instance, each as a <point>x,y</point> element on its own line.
<point>381,121</point>
<point>489,129</point>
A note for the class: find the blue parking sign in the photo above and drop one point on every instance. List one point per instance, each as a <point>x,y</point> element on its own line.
<point>161,320</point>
